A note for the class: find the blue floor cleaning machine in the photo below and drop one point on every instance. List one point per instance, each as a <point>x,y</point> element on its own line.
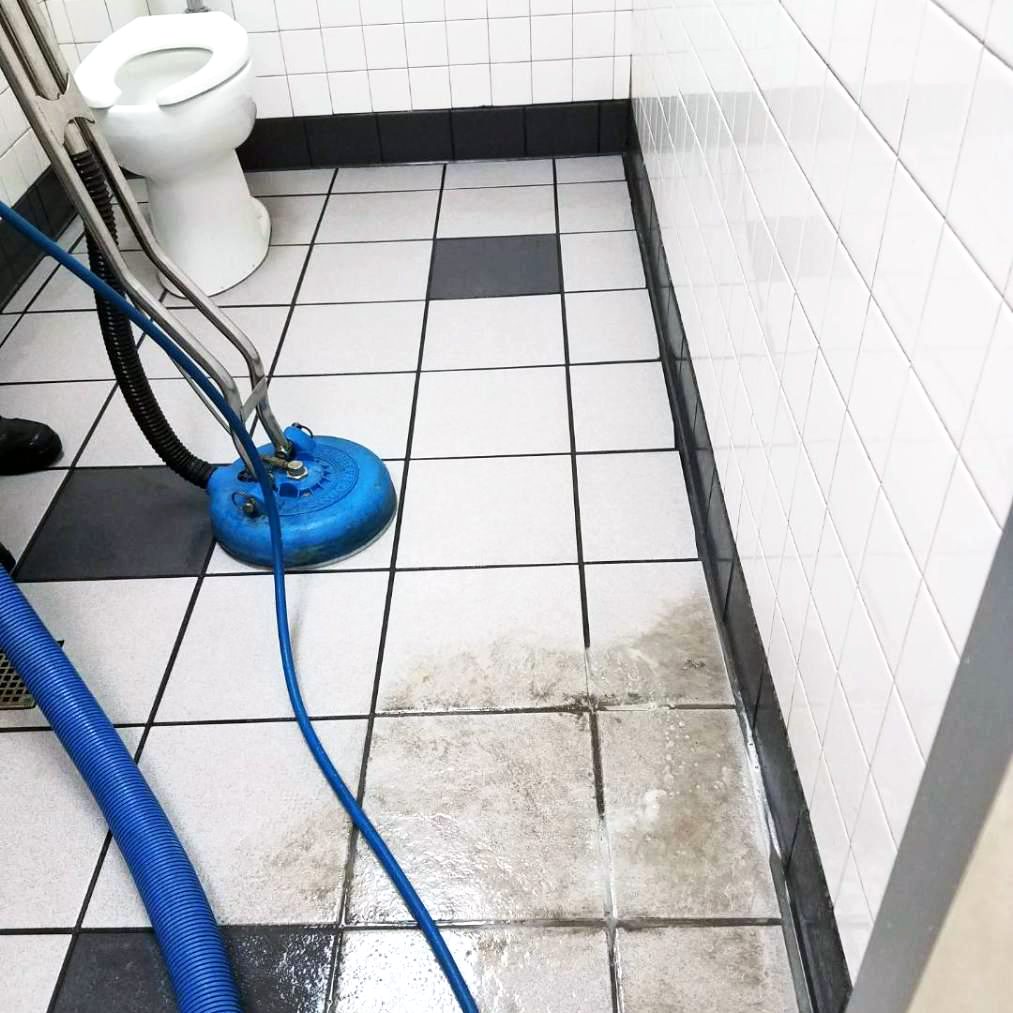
<point>298,500</point>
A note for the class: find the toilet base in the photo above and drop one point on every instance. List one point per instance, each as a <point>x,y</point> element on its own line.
<point>210,225</point>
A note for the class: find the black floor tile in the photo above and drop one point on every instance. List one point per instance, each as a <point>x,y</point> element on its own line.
<point>495,265</point>
<point>121,522</point>
<point>278,970</point>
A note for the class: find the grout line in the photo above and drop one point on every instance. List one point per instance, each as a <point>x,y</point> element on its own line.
<point>353,841</point>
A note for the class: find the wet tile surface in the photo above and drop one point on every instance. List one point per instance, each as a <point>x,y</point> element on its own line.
<point>529,596</point>
<point>513,834</point>
<point>683,820</point>
<point>706,970</point>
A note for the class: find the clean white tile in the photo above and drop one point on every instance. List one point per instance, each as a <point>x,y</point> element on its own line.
<point>552,80</point>
<point>285,182</point>
<point>888,580</point>
<point>123,662</point>
<point>367,272</point>
<point>828,826</point>
<point>26,498</point>
<point>906,258</point>
<point>824,422</point>
<point>850,40</point>
<point>833,588</point>
<point>805,741</point>
<point>304,52</point>
<point>480,412</point>
<point>593,34</point>
<point>511,83</point>
<point>379,178</point>
<point>497,211</point>
<point>272,97</point>
<point>981,205</point>
<point>873,848</point>
<point>987,447</point>
<point>816,671</point>
<point>854,920</point>
<point>844,318</point>
<point>865,677</point>
<point>592,79</point>
<point>603,326</point>
<point>33,964</point>
<point>465,639</point>
<point>427,44</point>
<point>55,346</point>
<point>918,468</point>
<point>853,494</point>
<point>971,13</point>
<point>601,260</point>
<point>509,39</point>
<point>66,292</point>
<point>250,789</point>
<point>261,324</point>
<point>372,408</point>
<point>927,667</point>
<point>49,811</point>
<point>385,46</point>
<point>518,172</point>
<point>594,207</point>
<point>481,511</point>
<point>961,555</point>
<point>380,12</point>
<point>206,684</point>
<point>390,90</point>
<point>311,95</point>
<point>806,515</point>
<point>298,14</point>
<point>430,87</point>
<point>344,48</point>
<point>274,282</point>
<point>510,331</point>
<point>999,34</point>
<point>471,84</point>
<point>846,764</point>
<point>960,316</point>
<point>468,41</point>
<point>350,92</point>
<point>367,217</point>
<point>634,506</point>
<point>897,767</point>
<point>353,338</point>
<point>621,407</point>
<point>293,218</point>
<point>551,37</point>
<point>590,169</point>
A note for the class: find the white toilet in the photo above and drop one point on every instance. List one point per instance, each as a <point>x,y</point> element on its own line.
<point>173,95</point>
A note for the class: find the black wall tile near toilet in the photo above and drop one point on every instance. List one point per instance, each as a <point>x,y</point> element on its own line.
<point>488,133</point>
<point>495,266</point>
<point>415,137</point>
<point>343,140</point>
<point>276,144</point>
<point>570,128</point>
<point>613,126</point>
<point>121,522</point>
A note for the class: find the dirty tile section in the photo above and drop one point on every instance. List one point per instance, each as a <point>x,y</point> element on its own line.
<point>522,677</point>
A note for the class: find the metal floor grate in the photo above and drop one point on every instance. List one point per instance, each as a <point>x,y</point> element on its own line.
<point>14,693</point>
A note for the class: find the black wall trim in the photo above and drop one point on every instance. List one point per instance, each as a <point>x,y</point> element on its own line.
<point>570,128</point>
<point>812,911</point>
<point>47,207</point>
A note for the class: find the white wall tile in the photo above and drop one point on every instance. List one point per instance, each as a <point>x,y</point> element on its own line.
<point>344,49</point>
<point>350,92</point>
<point>999,34</point>
<point>552,37</point>
<point>470,85</point>
<point>265,49</point>
<point>385,46</point>
<point>897,767</point>
<point>303,51</point>
<point>592,79</point>
<point>865,678</point>
<point>594,34</point>
<point>511,83</point>
<point>430,87</point>
<point>468,41</point>
<point>509,39</point>
<point>272,97</point>
<point>971,13</point>
<point>298,14</point>
<point>310,94</point>
<point>552,80</point>
<point>389,89</point>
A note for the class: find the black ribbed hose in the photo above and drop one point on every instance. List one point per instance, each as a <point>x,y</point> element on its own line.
<point>122,349</point>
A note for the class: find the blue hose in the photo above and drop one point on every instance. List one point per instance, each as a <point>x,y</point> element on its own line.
<point>190,933</point>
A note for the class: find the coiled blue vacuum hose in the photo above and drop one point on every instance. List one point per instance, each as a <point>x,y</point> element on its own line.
<point>179,912</point>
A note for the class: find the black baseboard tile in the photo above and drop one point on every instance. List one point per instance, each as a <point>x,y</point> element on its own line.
<point>48,208</point>
<point>434,135</point>
<point>812,912</point>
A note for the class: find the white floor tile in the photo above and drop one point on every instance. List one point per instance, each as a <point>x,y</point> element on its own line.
<point>634,506</point>
<point>293,219</point>
<point>55,346</point>
<point>371,217</point>
<point>604,326</point>
<point>587,170</point>
<point>371,409</point>
<point>289,181</point>
<point>48,811</point>
<point>31,968</point>
<point>476,333</point>
<point>377,178</point>
<point>118,441</point>
<point>353,338</point>
<point>69,408</point>
<point>498,211</point>
<point>25,499</point>
<point>118,634</point>
<point>520,172</point>
<point>621,407</point>
<point>601,260</point>
<point>228,667</point>
<point>594,207</point>
<point>367,272</point>
<point>263,828</point>
<point>475,512</point>
<point>66,292</point>
<point>472,639</point>
<point>487,411</point>
<point>261,324</point>
<point>274,282</point>
<point>30,286</point>
<point>7,322</point>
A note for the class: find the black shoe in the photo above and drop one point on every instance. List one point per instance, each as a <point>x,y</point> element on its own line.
<point>6,559</point>
<point>26,446</point>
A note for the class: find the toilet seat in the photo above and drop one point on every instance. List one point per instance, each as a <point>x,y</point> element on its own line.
<point>214,32</point>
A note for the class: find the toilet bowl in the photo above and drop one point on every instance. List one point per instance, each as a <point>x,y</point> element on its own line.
<point>173,95</point>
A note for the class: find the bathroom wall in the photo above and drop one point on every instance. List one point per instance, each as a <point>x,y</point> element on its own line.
<point>833,185</point>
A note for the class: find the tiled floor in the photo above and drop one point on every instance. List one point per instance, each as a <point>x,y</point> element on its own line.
<point>523,678</point>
